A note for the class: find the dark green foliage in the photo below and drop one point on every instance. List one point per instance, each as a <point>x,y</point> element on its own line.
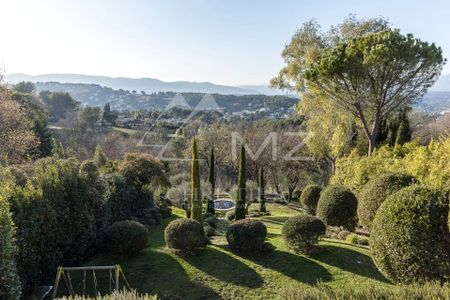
<point>129,202</point>
<point>403,132</point>
<point>126,237</point>
<point>212,181</point>
<point>230,215</point>
<point>207,215</point>
<point>212,221</point>
<point>310,196</point>
<point>165,211</point>
<point>58,103</point>
<point>58,218</point>
<point>302,232</point>
<point>185,234</point>
<point>241,191</point>
<point>337,207</point>
<point>10,288</point>
<point>262,187</point>
<point>247,235</point>
<point>209,230</point>
<point>409,238</point>
<point>26,87</point>
<point>376,191</point>
<point>196,191</point>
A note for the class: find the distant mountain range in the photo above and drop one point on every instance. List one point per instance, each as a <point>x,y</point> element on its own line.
<point>148,85</point>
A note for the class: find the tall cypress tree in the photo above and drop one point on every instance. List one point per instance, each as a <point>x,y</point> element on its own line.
<point>403,131</point>
<point>241,193</point>
<point>212,181</point>
<point>262,186</point>
<point>196,193</point>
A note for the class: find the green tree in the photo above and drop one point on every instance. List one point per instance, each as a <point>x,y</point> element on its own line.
<point>362,67</point>
<point>374,75</point>
<point>262,186</point>
<point>212,181</point>
<point>58,103</point>
<point>403,131</point>
<point>241,192</point>
<point>100,158</point>
<point>26,87</point>
<point>196,191</point>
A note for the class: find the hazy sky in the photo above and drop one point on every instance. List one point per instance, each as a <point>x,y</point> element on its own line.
<point>222,41</point>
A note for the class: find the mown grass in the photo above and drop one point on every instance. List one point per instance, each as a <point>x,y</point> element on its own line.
<point>217,273</point>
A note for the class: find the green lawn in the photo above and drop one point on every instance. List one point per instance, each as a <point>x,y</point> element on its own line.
<point>218,273</point>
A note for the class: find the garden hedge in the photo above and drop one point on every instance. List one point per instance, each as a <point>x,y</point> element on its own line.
<point>126,237</point>
<point>185,234</point>
<point>301,233</point>
<point>376,191</point>
<point>310,196</point>
<point>337,207</point>
<point>410,236</point>
<point>247,235</point>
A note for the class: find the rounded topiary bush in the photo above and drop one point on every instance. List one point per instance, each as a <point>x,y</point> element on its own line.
<point>247,235</point>
<point>185,234</point>
<point>337,207</point>
<point>301,233</point>
<point>309,198</point>
<point>230,215</point>
<point>376,191</point>
<point>410,236</point>
<point>209,230</point>
<point>126,237</point>
<point>211,221</point>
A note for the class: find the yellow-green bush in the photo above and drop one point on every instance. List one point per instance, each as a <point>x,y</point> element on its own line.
<point>429,164</point>
<point>122,295</point>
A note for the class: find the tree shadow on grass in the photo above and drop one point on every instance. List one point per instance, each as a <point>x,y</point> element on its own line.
<point>225,268</point>
<point>349,260</point>
<point>294,266</point>
<point>151,272</point>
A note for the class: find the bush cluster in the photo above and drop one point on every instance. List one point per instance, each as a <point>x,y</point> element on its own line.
<point>409,238</point>
<point>337,207</point>
<point>309,198</point>
<point>246,235</point>
<point>126,237</point>
<point>62,208</point>
<point>301,233</point>
<point>211,221</point>
<point>10,288</point>
<point>376,191</point>
<point>209,230</point>
<point>184,234</point>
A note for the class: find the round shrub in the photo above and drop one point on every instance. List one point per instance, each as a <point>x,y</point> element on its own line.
<point>337,207</point>
<point>301,233</point>
<point>126,237</point>
<point>185,234</point>
<point>211,221</point>
<point>209,230</point>
<point>247,235</point>
<point>230,215</point>
<point>309,198</point>
<point>409,238</point>
<point>376,191</point>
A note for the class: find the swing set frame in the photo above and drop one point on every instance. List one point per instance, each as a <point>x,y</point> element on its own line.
<point>64,273</point>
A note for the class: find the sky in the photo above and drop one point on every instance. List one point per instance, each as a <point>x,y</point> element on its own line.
<point>227,42</point>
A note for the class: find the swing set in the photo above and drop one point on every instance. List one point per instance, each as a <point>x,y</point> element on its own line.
<point>64,273</point>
